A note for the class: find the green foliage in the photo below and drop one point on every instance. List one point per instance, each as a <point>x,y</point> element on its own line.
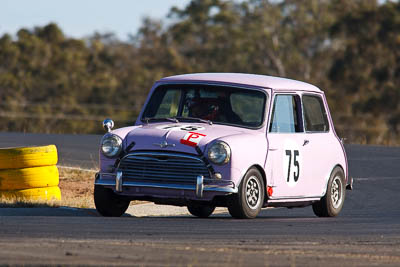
<point>52,83</point>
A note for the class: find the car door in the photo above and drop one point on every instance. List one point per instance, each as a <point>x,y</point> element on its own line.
<point>321,144</point>
<point>286,140</point>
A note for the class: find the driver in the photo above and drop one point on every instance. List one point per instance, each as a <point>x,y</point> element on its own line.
<point>204,109</point>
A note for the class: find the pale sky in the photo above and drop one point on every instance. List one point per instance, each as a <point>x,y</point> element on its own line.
<point>80,18</point>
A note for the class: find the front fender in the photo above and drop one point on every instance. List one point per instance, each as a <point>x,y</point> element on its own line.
<point>247,150</point>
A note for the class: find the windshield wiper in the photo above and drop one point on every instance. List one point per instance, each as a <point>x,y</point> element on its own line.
<point>147,120</point>
<point>194,119</point>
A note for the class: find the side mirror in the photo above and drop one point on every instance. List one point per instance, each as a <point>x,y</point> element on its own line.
<point>108,124</point>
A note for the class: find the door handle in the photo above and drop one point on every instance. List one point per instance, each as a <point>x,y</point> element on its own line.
<point>306,142</point>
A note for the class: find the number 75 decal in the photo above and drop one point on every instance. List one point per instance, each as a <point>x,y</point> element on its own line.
<point>294,172</point>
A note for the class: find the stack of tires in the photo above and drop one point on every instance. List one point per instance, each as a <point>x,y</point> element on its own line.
<point>29,173</point>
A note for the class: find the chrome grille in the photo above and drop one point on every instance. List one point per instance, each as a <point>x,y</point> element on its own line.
<point>165,168</point>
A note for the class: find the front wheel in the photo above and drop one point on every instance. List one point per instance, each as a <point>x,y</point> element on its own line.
<point>200,210</point>
<point>247,203</point>
<point>331,204</point>
<point>109,204</point>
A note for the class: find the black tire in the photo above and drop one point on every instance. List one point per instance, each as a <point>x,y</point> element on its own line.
<point>200,210</point>
<point>247,206</point>
<point>332,203</point>
<point>109,204</point>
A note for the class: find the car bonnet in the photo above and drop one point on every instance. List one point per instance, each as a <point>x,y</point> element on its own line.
<point>182,137</point>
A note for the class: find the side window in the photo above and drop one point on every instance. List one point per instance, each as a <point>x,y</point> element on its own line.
<point>286,115</point>
<point>315,118</point>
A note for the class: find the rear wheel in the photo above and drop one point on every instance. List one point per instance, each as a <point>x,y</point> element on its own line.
<point>247,203</point>
<point>108,203</point>
<point>200,210</point>
<point>332,203</point>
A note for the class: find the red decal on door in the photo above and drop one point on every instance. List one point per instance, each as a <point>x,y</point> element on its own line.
<point>192,139</point>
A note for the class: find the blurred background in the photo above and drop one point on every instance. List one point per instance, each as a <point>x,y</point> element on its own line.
<point>67,65</point>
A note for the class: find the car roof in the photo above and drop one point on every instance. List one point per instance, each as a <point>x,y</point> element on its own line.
<point>264,81</point>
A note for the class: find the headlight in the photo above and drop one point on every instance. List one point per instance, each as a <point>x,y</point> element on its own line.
<point>219,153</point>
<point>111,145</point>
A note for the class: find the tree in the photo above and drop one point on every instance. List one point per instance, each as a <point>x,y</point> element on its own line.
<point>52,83</point>
<point>366,67</point>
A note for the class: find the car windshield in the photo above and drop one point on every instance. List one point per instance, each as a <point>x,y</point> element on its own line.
<point>207,103</point>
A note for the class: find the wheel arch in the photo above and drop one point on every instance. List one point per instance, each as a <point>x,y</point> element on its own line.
<point>264,177</point>
<point>338,165</point>
<point>262,171</point>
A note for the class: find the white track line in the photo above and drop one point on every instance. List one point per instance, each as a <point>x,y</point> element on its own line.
<point>375,178</point>
<point>76,168</point>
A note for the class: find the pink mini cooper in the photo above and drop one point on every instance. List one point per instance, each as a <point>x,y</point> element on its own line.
<point>240,141</point>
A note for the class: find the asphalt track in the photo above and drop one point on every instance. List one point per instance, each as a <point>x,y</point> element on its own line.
<point>367,232</point>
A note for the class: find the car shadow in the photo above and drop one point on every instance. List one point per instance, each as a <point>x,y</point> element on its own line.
<point>45,210</point>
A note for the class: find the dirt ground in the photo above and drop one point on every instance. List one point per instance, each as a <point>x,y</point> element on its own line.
<point>76,187</point>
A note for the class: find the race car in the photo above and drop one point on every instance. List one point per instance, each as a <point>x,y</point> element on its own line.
<point>241,141</point>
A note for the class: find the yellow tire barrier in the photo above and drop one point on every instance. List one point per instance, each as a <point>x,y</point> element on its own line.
<point>26,157</point>
<point>12,179</point>
<point>44,193</point>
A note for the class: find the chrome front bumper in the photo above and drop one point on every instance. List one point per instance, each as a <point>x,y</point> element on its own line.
<point>117,182</point>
